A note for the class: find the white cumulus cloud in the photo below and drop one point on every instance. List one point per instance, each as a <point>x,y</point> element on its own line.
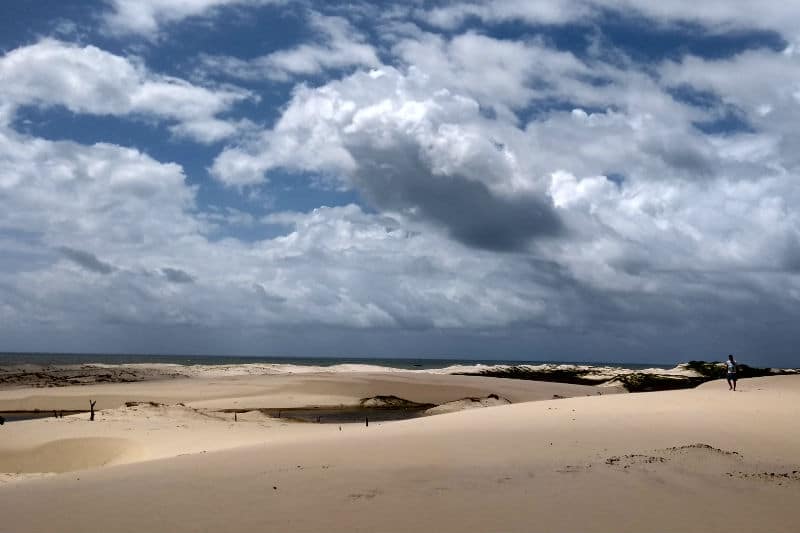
<point>86,79</point>
<point>147,17</point>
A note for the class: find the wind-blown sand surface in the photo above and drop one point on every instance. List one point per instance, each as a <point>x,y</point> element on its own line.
<point>183,417</point>
<point>704,459</point>
<point>285,390</point>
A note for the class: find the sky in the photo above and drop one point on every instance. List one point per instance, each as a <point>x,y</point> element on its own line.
<point>577,180</point>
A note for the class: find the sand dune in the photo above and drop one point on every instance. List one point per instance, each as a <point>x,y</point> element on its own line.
<point>169,429</point>
<point>130,434</point>
<point>702,459</point>
<point>64,455</point>
<point>262,391</point>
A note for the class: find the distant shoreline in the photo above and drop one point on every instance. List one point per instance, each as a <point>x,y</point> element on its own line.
<point>410,363</point>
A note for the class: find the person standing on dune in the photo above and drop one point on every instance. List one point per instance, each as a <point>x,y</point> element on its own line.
<point>731,366</point>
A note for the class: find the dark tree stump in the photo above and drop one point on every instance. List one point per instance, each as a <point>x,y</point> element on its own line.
<point>91,412</point>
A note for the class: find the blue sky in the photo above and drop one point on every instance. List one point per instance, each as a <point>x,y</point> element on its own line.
<point>577,180</point>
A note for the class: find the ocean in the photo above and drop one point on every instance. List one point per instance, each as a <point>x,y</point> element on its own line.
<point>15,358</point>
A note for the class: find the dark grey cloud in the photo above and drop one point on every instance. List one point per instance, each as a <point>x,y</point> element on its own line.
<point>398,179</point>
<point>267,297</point>
<point>86,260</point>
<point>176,275</point>
<point>681,156</point>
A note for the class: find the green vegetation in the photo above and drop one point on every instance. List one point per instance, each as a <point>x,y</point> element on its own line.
<point>392,402</point>
<point>639,382</point>
<point>709,370</point>
<point>753,372</point>
<point>575,377</point>
<point>633,382</point>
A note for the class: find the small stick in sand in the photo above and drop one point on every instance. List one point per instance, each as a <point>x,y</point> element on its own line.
<point>91,407</point>
<point>234,417</point>
<point>366,421</point>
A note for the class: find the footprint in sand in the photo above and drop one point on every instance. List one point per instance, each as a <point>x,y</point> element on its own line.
<point>781,478</point>
<point>572,469</point>
<point>626,461</point>
<point>708,461</point>
<point>699,448</point>
<point>366,495</point>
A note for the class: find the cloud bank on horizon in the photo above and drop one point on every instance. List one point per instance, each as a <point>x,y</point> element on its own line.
<point>583,179</point>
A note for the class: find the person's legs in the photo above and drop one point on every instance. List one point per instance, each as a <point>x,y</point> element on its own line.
<point>734,382</point>
<point>730,384</point>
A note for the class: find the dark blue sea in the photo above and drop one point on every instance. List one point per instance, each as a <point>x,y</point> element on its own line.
<point>11,358</point>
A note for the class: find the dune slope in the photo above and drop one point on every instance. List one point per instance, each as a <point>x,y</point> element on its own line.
<point>703,459</point>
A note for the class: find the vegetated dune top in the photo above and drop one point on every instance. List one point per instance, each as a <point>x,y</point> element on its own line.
<point>700,459</point>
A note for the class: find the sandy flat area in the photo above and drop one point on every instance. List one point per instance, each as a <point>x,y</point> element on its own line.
<point>286,390</point>
<point>704,459</point>
<point>186,416</point>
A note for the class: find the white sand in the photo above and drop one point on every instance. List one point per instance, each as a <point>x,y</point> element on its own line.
<point>144,431</point>
<point>285,390</point>
<point>599,463</point>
